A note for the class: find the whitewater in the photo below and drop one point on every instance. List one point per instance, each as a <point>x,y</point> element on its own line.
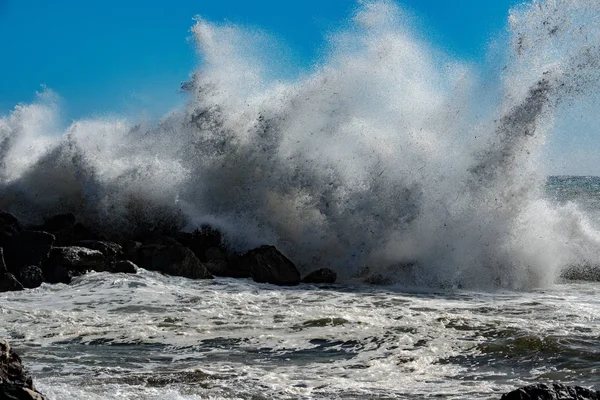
<point>389,162</point>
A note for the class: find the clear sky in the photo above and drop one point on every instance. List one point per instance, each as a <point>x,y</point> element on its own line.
<point>105,56</point>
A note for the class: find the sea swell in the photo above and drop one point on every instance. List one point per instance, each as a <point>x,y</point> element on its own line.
<point>388,157</point>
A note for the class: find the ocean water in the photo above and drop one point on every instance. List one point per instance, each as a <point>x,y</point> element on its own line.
<point>389,161</point>
<point>149,336</point>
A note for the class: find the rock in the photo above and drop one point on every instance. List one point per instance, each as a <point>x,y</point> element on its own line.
<point>3,268</point>
<point>9,226</point>
<point>27,248</point>
<point>67,230</point>
<point>8,283</point>
<point>267,265</point>
<point>79,258</point>
<point>58,274</point>
<point>553,391</point>
<point>110,250</point>
<point>58,223</point>
<point>31,276</point>
<point>203,242</point>
<point>9,391</point>
<point>15,383</point>
<point>64,263</point>
<point>582,273</point>
<point>323,275</point>
<point>125,267</point>
<point>171,258</point>
<point>130,251</point>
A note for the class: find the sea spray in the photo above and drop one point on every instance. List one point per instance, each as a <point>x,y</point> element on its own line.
<point>388,160</point>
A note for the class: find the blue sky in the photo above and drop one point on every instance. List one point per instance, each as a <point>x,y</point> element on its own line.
<point>128,56</point>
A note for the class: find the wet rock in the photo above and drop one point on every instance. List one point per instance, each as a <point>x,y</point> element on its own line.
<point>171,258</point>
<point>65,263</point>
<point>58,223</point>
<point>582,273</point>
<point>234,268</point>
<point>9,226</point>
<point>15,383</point>
<point>79,258</point>
<point>8,283</point>
<point>67,234</point>
<point>110,250</point>
<point>323,275</point>
<point>268,265</point>
<point>204,242</point>
<point>27,248</point>
<point>125,267</point>
<point>58,274</point>
<point>553,391</point>
<point>3,268</point>
<point>31,276</point>
<point>130,251</point>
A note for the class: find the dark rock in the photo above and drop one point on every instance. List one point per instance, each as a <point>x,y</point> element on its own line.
<point>219,268</point>
<point>58,274</point>
<point>78,258</point>
<point>75,233</point>
<point>202,240</point>
<point>3,268</point>
<point>553,391</point>
<point>65,263</point>
<point>58,223</point>
<point>15,383</point>
<point>27,248</point>
<point>31,276</point>
<point>582,273</point>
<point>110,250</point>
<point>323,275</point>
<point>130,251</point>
<point>235,268</point>
<point>268,265</point>
<point>9,226</point>
<point>8,283</point>
<point>10,391</point>
<point>171,258</point>
<point>124,266</point>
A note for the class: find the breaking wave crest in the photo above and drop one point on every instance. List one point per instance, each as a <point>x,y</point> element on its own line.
<point>388,156</point>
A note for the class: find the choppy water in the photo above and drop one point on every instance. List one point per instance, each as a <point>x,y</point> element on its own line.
<point>149,336</point>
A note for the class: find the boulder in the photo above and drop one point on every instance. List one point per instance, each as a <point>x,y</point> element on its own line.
<point>125,267</point>
<point>206,243</point>
<point>79,258</point>
<point>267,265</point>
<point>64,263</point>
<point>8,283</point>
<point>323,275</point>
<point>110,250</point>
<point>67,230</point>
<point>171,258</point>
<point>15,383</point>
<point>31,276</point>
<point>9,226</point>
<point>26,248</point>
<point>552,391</point>
<point>58,223</point>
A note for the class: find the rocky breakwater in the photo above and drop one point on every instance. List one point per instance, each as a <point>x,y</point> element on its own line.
<point>62,248</point>
<point>552,391</point>
<point>15,383</point>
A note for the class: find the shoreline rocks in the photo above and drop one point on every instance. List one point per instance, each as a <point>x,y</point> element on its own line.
<point>15,383</point>
<point>552,391</point>
<point>62,248</point>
